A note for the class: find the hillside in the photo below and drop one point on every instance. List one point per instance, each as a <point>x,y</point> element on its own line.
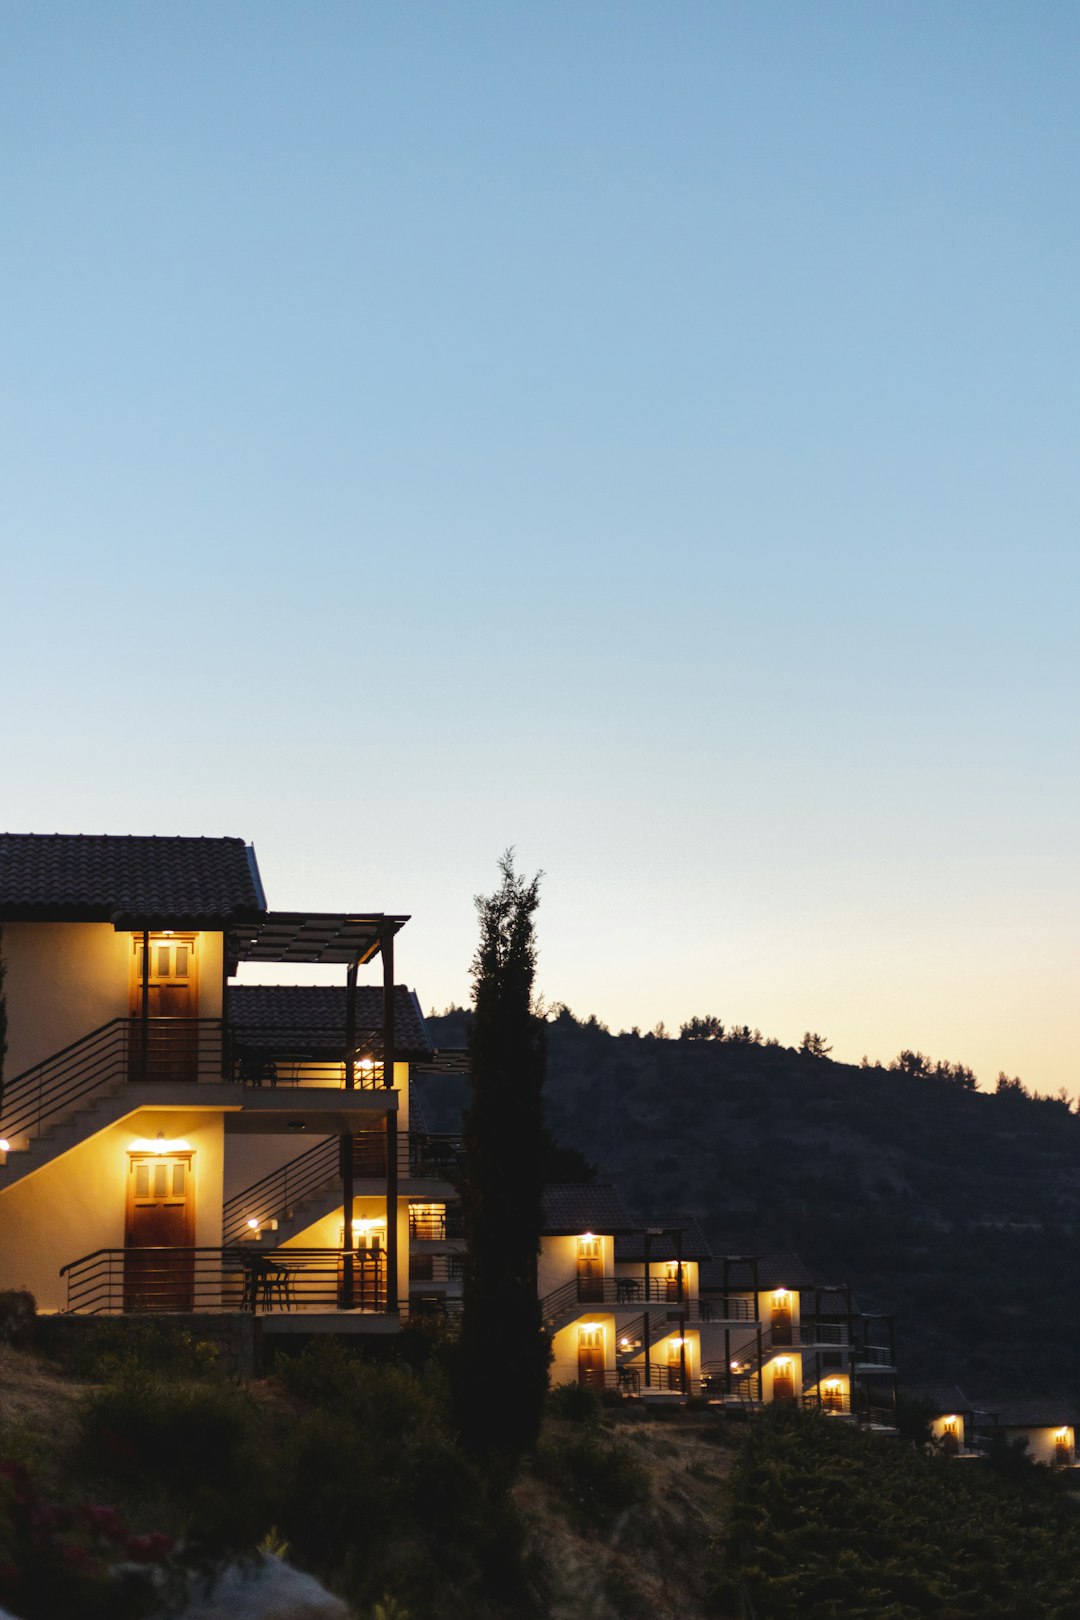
<point>619,1514</point>
<point>959,1210</point>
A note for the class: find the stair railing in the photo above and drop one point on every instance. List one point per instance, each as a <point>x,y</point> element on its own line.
<point>123,1049</point>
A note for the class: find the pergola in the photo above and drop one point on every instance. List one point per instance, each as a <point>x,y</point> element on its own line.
<point>349,940</point>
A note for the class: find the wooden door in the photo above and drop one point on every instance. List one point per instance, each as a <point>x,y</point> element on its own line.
<point>590,1357</point>
<point>675,1364</point>
<point>783,1381</point>
<point>590,1269</point>
<point>781,1317</point>
<point>158,1274</point>
<point>673,1281</point>
<point>172,1004</point>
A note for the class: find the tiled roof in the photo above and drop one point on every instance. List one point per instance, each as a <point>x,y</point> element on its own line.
<point>941,1399</point>
<point>575,1207</point>
<point>310,1019</point>
<point>773,1271</point>
<point>1048,1413</point>
<point>156,882</point>
<point>695,1245</point>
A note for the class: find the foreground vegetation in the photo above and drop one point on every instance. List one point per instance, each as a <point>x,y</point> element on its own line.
<point>829,1521</point>
<point>143,1451</point>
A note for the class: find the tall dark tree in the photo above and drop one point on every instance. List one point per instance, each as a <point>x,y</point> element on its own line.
<point>502,1375</point>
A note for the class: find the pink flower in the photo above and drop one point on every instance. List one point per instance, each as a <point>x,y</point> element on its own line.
<point>151,1549</point>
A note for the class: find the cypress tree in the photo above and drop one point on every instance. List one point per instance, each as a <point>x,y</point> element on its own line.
<point>504,1353</point>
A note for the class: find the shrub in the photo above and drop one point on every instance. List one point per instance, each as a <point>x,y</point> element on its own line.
<point>78,1561</point>
<point>202,1444</point>
<point>18,1310</point>
<point>576,1404</point>
<point>109,1350</point>
<point>597,1478</point>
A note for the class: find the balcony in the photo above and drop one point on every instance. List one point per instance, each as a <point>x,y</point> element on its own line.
<point>143,1281</point>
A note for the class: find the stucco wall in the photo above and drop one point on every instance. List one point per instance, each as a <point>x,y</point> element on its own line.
<point>76,1203</point>
<point>66,979</point>
<point>658,1273</point>
<point>1041,1443</point>
<point>939,1426</point>
<point>557,1264</point>
<point>564,1346</point>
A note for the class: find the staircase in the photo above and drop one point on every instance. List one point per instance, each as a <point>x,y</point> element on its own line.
<point>81,1089</point>
<point>27,1154</point>
<point>125,1049</point>
<point>308,1187</point>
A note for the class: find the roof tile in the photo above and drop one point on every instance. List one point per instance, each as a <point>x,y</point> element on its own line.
<point>79,877</point>
<point>310,1019</point>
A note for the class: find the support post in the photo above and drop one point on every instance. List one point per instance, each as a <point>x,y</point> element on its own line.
<point>760,1368</point>
<point>682,1309</point>
<point>348,1164</point>
<point>226,1066</point>
<point>645,1319</point>
<point>727,1361</point>
<point>389,1047</point>
<point>144,1033</point>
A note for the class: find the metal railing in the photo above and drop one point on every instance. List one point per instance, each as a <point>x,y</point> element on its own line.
<point>827,1400</point>
<point>434,1268</point>
<point>148,1280</point>
<point>155,1050</point>
<point>627,1292</point>
<point>436,1223</point>
<point>873,1355</point>
<point>318,1168</point>
<point>261,1064</point>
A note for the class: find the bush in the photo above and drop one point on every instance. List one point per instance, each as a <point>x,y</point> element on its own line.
<point>576,1404</point>
<point>202,1444</point>
<point>18,1311</point>
<point>109,1350</point>
<point>71,1561</point>
<point>597,1478</point>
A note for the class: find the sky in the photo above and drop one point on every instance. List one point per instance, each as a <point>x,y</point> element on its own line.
<point>643,435</point>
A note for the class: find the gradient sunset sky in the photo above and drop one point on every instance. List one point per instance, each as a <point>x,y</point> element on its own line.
<point>645,434</point>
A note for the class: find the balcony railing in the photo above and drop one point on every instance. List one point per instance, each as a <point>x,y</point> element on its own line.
<point>150,1280</point>
<point>435,1224</point>
<point>434,1268</point>
<point>873,1355</point>
<point>630,1292</point>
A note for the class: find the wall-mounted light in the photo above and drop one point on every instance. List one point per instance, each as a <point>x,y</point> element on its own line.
<point>160,1144</point>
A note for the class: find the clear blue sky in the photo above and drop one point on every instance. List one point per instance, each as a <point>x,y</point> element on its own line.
<point>645,434</point>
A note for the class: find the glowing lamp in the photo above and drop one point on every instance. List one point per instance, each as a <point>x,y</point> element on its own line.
<point>160,1144</point>
<point>254,1225</point>
<point>5,1146</point>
